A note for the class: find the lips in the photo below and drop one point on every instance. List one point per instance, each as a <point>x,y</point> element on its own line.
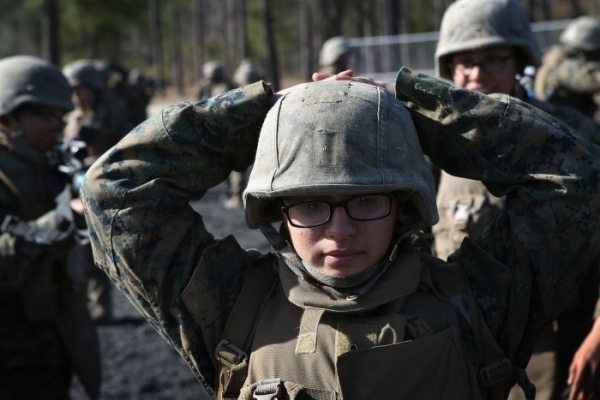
<point>340,256</point>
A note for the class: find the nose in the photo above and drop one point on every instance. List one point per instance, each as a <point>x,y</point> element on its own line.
<point>341,225</point>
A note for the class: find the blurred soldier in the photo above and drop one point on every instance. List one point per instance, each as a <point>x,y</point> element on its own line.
<point>485,45</point>
<point>45,331</point>
<point>140,90</point>
<point>214,80</point>
<point>244,74</point>
<point>95,120</point>
<point>335,56</point>
<point>570,73</point>
<point>100,124</point>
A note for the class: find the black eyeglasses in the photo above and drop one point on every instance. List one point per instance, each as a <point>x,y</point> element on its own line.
<point>309,214</point>
<point>490,65</point>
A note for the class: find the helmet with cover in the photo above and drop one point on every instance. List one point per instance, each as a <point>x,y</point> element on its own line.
<point>213,70</point>
<point>332,50</point>
<point>337,137</point>
<point>582,34</point>
<point>31,80</point>
<point>470,25</point>
<point>245,73</point>
<point>85,73</point>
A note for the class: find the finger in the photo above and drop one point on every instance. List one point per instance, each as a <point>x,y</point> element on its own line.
<point>319,76</point>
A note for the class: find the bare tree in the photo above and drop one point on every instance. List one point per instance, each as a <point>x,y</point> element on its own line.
<point>197,37</point>
<point>156,49</point>
<point>271,53</point>
<point>49,22</point>
<point>307,54</point>
<point>175,47</point>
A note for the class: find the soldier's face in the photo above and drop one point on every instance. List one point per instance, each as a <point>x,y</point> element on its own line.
<point>42,126</point>
<point>343,246</point>
<point>486,71</point>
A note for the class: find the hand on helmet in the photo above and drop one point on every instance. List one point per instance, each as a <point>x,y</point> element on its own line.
<point>349,75</point>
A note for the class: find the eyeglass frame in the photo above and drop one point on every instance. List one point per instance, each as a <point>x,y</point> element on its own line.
<point>453,66</point>
<point>335,204</point>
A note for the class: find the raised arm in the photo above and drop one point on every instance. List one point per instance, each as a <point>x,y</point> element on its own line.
<point>145,235</point>
<point>528,263</point>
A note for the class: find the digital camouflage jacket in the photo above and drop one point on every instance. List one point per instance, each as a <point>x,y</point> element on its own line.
<point>154,246</point>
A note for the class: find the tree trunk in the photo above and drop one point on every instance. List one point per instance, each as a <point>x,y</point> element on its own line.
<point>50,21</point>
<point>307,54</point>
<point>156,51</point>
<point>176,53</point>
<point>272,65</point>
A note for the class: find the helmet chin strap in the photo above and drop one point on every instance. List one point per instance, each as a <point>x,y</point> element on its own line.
<point>362,281</point>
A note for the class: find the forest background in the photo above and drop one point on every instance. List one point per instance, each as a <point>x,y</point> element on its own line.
<point>170,40</point>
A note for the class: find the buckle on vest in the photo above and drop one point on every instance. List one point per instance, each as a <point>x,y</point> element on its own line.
<point>267,389</point>
<point>496,372</point>
<point>229,354</point>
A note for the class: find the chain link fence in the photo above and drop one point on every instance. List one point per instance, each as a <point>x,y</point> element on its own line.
<point>380,57</point>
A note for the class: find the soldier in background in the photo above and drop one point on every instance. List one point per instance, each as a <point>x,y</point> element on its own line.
<point>99,123</point>
<point>214,80</point>
<point>485,45</point>
<point>244,74</point>
<point>140,90</point>
<point>570,72</point>
<point>335,56</point>
<point>46,334</point>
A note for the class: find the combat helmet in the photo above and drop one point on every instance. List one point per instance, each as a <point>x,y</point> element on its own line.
<point>213,70</point>
<point>337,137</point>
<point>31,80</point>
<point>85,72</point>
<point>332,50</point>
<point>479,24</point>
<point>245,73</point>
<point>582,34</point>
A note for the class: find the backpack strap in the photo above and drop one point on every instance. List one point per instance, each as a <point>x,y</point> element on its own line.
<point>496,370</point>
<point>233,350</point>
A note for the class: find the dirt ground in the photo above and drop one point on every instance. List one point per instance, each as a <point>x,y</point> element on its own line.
<point>137,363</point>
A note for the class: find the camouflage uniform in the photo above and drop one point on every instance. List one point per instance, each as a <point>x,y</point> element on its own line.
<point>467,207</point>
<point>105,123</point>
<point>45,331</point>
<point>570,72</point>
<point>185,282</point>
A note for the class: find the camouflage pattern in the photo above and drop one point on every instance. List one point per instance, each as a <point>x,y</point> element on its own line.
<point>480,24</point>
<point>154,246</point>
<point>467,207</point>
<point>568,77</point>
<point>45,333</point>
<point>582,34</point>
<point>27,79</point>
<point>84,73</point>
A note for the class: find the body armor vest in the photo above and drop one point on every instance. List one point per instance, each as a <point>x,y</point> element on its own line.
<point>402,338</point>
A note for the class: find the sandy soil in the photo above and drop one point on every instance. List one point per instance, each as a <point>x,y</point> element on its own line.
<point>137,362</point>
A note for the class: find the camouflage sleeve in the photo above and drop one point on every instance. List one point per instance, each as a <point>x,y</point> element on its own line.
<point>145,235</point>
<point>24,243</point>
<point>531,260</point>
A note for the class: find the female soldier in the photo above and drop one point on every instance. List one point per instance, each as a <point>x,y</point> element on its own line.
<point>350,304</point>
